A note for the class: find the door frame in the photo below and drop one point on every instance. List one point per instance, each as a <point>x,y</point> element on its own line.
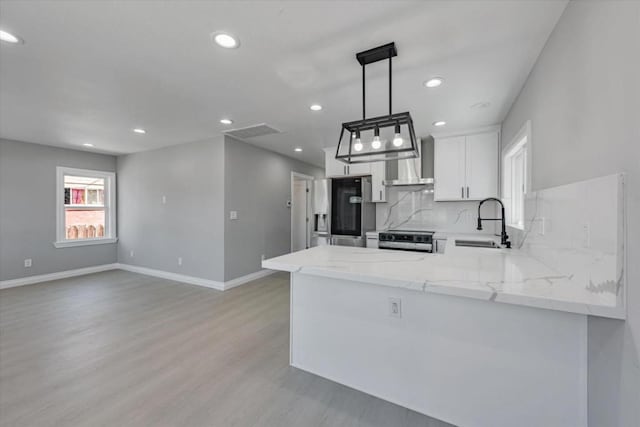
<point>297,176</point>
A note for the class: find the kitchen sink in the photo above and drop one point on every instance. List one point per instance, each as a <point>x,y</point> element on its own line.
<point>478,243</point>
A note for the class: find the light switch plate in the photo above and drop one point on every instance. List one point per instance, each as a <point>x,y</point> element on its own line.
<point>27,262</point>
<point>395,307</point>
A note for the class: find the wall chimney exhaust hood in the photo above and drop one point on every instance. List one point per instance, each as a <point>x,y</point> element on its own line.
<point>417,171</point>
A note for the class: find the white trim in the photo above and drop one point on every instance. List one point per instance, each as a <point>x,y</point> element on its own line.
<point>84,242</point>
<point>300,176</point>
<point>525,131</point>
<point>524,134</point>
<point>247,278</point>
<point>220,286</point>
<point>109,203</point>
<point>192,280</point>
<point>483,129</point>
<point>30,280</point>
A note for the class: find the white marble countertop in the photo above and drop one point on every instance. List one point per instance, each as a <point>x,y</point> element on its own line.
<point>506,276</point>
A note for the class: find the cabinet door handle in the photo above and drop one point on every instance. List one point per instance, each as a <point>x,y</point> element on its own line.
<point>380,194</point>
<point>462,192</point>
<point>344,170</point>
<point>467,192</point>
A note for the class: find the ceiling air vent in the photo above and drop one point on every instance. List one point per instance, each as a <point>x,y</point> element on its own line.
<point>252,131</point>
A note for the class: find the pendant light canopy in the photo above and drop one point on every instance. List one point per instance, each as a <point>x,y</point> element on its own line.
<point>382,138</point>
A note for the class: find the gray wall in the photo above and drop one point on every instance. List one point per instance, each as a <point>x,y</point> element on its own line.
<point>582,98</point>
<point>190,224</point>
<point>257,184</point>
<point>28,210</point>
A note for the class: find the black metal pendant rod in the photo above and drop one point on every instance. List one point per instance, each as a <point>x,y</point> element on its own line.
<point>364,105</point>
<point>389,85</point>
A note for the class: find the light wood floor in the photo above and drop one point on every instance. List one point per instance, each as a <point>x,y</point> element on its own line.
<point>122,349</point>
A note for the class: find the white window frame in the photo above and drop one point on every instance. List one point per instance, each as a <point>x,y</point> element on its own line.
<point>521,142</point>
<point>109,207</point>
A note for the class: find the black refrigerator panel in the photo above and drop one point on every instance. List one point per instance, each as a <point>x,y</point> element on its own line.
<point>346,207</point>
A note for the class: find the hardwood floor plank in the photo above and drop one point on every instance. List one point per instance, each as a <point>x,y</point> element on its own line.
<point>122,349</point>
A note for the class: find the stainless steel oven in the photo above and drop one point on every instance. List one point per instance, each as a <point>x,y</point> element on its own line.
<point>408,240</point>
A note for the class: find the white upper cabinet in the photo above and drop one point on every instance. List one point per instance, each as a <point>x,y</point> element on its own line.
<point>466,167</point>
<point>336,168</point>
<point>378,175</point>
<point>333,167</point>
<point>448,168</point>
<point>482,166</point>
<point>359,169</point>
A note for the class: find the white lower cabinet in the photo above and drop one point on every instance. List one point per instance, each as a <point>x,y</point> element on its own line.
<point>372,239</point>
<point>466,167</point>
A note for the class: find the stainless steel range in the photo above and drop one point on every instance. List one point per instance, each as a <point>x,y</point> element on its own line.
<point>408,240</point>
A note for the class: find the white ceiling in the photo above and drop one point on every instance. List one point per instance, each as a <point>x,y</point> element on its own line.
<point>90,72</point>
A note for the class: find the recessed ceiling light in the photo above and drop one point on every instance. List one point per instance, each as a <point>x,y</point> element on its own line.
<point>140,130</point>
<point>315,107</point>
<point>225,40</point>
<point>226,121</point>
<point>9,38</point>
<point>434,82</point>
<point>86,144</point>
<point>297,149</point>
<point>439,123</point>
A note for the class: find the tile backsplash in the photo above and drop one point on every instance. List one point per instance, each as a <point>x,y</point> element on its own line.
<point>578,230</point>
<point>413,207</point>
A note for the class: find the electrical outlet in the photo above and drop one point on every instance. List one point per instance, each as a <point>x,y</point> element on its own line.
<point>233,215</point>
<point>164,200</point>
<point>395,307</point>
<point>179,260</point>
<point>27,262</point>
<point>131,254</point>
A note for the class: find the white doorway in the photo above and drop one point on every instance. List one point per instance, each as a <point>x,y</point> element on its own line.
<point>301,186</point>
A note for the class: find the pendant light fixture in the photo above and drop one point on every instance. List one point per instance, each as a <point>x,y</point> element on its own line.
<point>360,140</point>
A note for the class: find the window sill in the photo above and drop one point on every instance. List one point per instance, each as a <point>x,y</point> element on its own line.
<point>84,242</point>
<point>516,226</point>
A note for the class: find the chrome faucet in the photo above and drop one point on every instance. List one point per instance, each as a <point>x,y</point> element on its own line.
<point>504,238</point>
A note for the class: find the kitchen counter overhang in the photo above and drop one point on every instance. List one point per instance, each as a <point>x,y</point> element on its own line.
<point>507,276</point>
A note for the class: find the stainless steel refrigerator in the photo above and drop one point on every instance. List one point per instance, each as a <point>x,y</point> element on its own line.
<point>343,211</point>
<point>321,206</point>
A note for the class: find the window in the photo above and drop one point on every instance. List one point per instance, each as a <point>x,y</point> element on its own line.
<point>86,207</point>
<point>515,176</point>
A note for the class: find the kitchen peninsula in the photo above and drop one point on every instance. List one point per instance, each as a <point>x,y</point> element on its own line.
<point>474,336</point>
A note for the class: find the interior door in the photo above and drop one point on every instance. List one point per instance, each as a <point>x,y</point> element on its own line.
<point>299,215</point>
<point>449,168</point>
<point>346,207</point>
<point>481,166</point>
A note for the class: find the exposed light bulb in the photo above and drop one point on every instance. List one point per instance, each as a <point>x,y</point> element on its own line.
<point>358,145</point>
<point>376,143</point>
<point>397,140</point>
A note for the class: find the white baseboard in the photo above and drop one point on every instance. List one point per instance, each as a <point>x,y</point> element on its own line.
<point>248,278</point>
<point>221,286</point>
<point>192,280</point>
<point>30,280</point>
